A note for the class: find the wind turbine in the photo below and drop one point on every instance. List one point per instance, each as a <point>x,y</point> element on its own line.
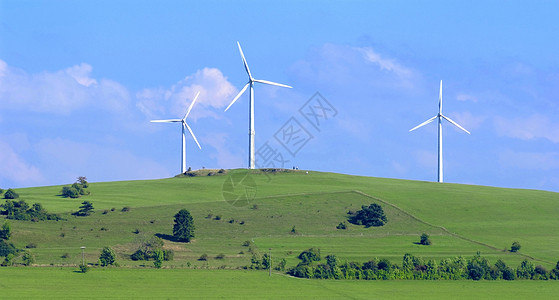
<point>184,126</point>
<point>250,84</point>
<point>439,117</point>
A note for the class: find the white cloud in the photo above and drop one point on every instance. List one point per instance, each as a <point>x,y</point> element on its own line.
<point>466,97</point>
<point>468,121</point>
<point>13,168</point>
<point>347,66</point>
<point>530,160</point>
<point>224,157</point>
<point>59,92</point>
<point>533,127</point>
<point>384,63</point>
<point>215,92</point>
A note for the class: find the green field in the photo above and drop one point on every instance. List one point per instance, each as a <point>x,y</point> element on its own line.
<point>33,283</point>
<point>461,220</point>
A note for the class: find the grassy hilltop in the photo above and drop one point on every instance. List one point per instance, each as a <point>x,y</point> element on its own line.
<point>461,219</point>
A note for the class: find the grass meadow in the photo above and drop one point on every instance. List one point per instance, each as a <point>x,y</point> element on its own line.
<point>461,220</point>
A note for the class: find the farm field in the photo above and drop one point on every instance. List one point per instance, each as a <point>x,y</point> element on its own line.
<point>286,213</point>
<point>48,283</point>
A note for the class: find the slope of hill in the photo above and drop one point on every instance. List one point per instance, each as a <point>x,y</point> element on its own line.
<point>461,219</point>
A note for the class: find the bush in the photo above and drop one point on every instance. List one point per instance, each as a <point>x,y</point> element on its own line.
<point>11,194</point>
<point>310,255</point>
<point>107,257</point>
<point>515,247</point>
<point>28,258</point>
<point>342,225</point>
<point>84,268</point>
<point>220,256</point>
<point>372,215</point>
<point>7,248</point>
<point>5,231</point>
<point>125,209</point>
<point>70,192</point>
<point>20,210</point>
<point>424,240</point>
<point>139,255</point>
<point>31,246</point>
<point>203,257</point>
<point>8,260</point>
<point>168,254</point>
<point>158,258</point>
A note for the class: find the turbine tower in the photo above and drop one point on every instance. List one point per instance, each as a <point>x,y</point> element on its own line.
<point>251,81</point>
<point>439,117</point>
<point>184,127</point>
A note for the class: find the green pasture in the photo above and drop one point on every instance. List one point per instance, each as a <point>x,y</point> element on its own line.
<point>49,283</point>
<point>461,220</point>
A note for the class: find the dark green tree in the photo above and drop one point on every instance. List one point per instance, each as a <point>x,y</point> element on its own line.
<point>425,240</point>
<point>85,210</point>
<point>515,247</point>
<point>183,230</point>
<point>6,231</point>
<point>11,194</point>
<point>107,257</point>
<point>372,215</point>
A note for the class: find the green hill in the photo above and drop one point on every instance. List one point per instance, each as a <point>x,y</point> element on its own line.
<point>461,219</point>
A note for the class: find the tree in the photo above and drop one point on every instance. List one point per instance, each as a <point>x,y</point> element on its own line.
<point>28,258</point>
<point>425,240</point>
<point>158,257</point>
<point>11,194</point>
<point>107,257</point>
<point>372,215</point>
<point>183,230</point>
<point>82,180</point>
<point>515,247</point>
<point>6,231</point>
<point>86,209</point>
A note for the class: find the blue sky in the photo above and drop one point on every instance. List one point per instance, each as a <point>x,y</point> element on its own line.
<point>80,80</point>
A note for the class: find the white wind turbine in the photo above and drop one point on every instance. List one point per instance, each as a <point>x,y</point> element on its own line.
<point>440,116</point>
<point>184,126</point>
<point>250,83</point>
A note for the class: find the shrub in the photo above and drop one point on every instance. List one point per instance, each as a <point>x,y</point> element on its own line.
<point>526,270</point>
<point>246,243</point>
<point>107,257</point>
<point>372,215</point>
<point>424,240</point>
<point>515,247</point>
<point>158,258</point>
<point>203,257</point>
<point>11,194</point>
<point>125,209</point>
<point>310,255</point>
<point>168,254</point>
<point>293,230</point>
<point>136,231</point>
<point>5,231</point>
<point>7,248</point>
<point>8,260</point>
<point>342,225</point>
<point>31,246</point>
<point>139,255</point>
<point>70,192</point>
<point>106,211</point>
<point>28,258</point>
<point>218,217</point>
<point>220,256</point>
<point>84,268</point>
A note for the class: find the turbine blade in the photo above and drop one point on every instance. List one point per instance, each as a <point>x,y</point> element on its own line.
<point>424,123</point>
<point>238,95</point>
<point>454,123</point>
<point>166,121</point>
<point>192,134</point>
<point>191,105</point>
<point>244,61</point>
<point>441,99</point>
<point>272,83</point>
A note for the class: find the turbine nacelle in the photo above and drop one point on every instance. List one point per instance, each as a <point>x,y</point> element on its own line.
<point>184,126</point>
<point>250,83</point>
<point>439,117</point>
